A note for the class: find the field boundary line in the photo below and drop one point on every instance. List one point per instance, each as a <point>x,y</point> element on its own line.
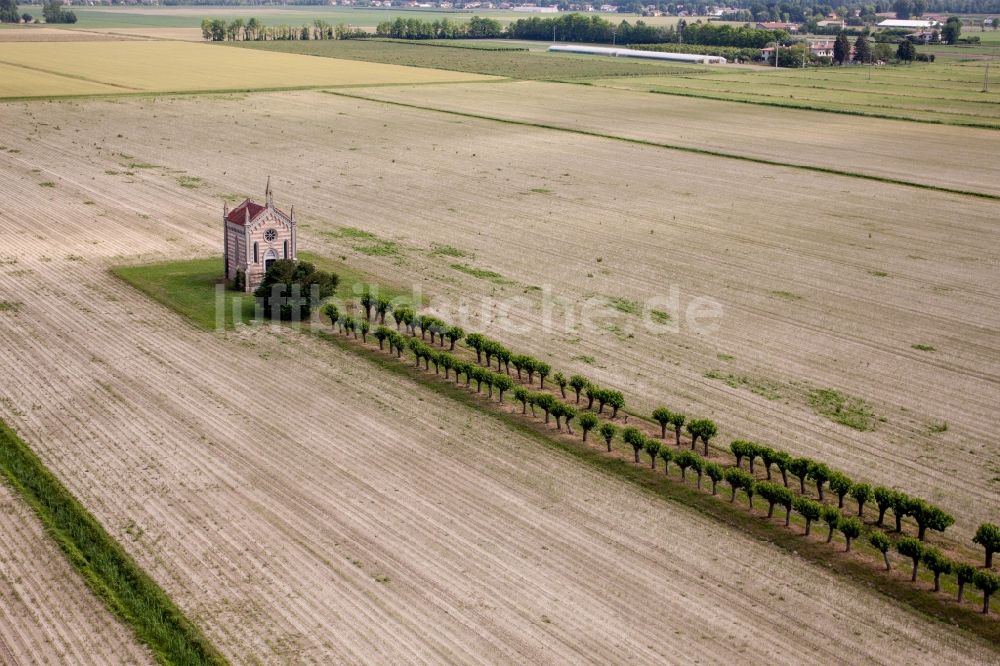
<point>76,77</point>
<point>124,587</point>
<point>681,148</point>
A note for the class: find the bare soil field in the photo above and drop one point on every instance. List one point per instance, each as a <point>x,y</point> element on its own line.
<point>823,282</point>
<point>47,613</point>
<point>326,511</point>
<point>963,159</point>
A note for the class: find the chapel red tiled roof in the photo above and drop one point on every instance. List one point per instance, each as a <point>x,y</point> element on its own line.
<point>238,214</point>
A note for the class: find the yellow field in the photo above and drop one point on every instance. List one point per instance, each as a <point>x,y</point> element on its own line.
<point>72,68</point>
<point>20,82</point>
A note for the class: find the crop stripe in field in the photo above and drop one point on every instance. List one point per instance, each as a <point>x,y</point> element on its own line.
<point>681,148</point>
<point>105,566</point>
<point>67,76</point>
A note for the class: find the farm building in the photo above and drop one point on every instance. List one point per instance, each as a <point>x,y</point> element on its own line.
<point>911,24</point>
<point>635,53</point>
<point>254,237</point>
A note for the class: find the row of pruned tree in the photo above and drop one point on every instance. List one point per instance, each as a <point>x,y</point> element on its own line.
<point>417,334</point>
<point>812,510</point>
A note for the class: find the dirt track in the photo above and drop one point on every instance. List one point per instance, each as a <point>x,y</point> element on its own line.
<point>370,520</point>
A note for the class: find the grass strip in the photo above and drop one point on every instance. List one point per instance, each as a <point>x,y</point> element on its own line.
<point>109,571</point>
<point>685,149</point>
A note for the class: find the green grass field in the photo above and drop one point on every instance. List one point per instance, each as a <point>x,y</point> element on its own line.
<point>949,93</point>
<point>190,288</point>
<point>517,64</point>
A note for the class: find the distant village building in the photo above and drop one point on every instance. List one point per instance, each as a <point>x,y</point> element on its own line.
<point>778,25</point>
<point>254,237</point>
<point>909,24</point>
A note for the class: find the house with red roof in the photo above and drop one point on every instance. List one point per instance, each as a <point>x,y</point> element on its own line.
<point>254,237</point>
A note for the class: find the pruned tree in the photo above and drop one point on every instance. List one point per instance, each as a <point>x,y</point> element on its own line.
<point>587,423</point>
<point>608,431</point>
<point>831,516</point>
<point>616,401</point>
<point>714,472</point>
<point>703,429</point>
<point>988,583</point>
<point>840,484</point>
<point>503,360</point>
<point>937,563</point>
<point>330,310</point>
<point>382,306</point>
<point>988,536</point>
<point>517,361</point>
<point>666,454</point>
<point>902,506</point>
<point>662,416</point>
<point>881,543</point>
<point>578,383</point>
<point>568,412</point>
<point>883,500</point>
<point>929,516</point>
<point>476,342</point>
<point>530,365</point>
<point>363,328</point>
<point>591,391</point>
<point>819,473</point>
<point>602,399</point>
<point>521,395</point>
<point>913,549</point>
<point>851,529</point>
<point>683,460</point>
<point>698,465</point>
<point>381,334</point>
<point>767,456</point>
<point>502,383</point>
<point>782,460</point>
<point>800,467</point>
<point>776,494</point>
<point>964,574</point>
<point>543,370</point>
<point>546,401</point>
<point>560,381</point>
<point>557,412</point>
<point>677,420</point>
<point>447,362</point>
<point>739,449</point>
<point>809,509</point>
<point>454,334</point>
<point>750,488</point>
<point>652,448</point>
<point>736,478</point>
<point>862,494</point>
<point>367,301</point>
<point>753,452</point>
<point>634,437</point>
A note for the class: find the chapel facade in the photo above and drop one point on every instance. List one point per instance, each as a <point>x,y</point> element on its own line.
<point>255,236</point>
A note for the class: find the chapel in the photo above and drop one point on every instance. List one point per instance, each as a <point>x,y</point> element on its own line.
<point>255,236</point>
